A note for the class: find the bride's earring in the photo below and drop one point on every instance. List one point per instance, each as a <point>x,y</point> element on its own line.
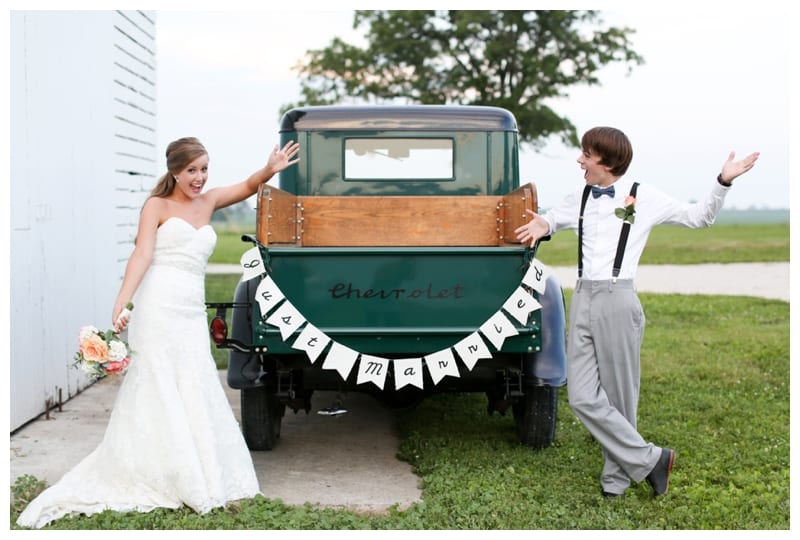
<point>176,179</point>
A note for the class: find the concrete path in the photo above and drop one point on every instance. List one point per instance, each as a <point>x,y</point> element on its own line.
<point>763,280</point>
<point>333,461</point>
<point>348,460</point>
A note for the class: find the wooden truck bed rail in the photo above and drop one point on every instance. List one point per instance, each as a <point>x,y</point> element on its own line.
<point>327,221</point>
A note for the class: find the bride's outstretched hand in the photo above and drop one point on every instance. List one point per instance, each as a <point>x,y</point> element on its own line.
<point>282,158</point>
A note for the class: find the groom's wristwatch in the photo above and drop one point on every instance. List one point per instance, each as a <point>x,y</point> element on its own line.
<point>723,182</point>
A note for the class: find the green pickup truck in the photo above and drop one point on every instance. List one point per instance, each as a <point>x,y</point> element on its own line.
<point>386,263</point>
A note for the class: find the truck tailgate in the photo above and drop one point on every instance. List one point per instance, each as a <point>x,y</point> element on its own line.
<point>398,300</point>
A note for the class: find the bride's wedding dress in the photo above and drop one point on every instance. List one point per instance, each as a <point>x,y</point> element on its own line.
<point>172,439</point>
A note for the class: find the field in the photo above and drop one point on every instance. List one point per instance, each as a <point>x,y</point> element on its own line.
<point>725,242</point>
<point>677,245</point>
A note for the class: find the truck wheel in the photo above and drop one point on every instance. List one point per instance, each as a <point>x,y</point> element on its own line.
<point>535,416</point>
<point>262,414</point>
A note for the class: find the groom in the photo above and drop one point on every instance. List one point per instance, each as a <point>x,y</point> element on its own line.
<point>613,216</point>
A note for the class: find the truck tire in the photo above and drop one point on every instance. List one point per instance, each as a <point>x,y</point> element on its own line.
<point>262,414</point>
<point>535,416</point>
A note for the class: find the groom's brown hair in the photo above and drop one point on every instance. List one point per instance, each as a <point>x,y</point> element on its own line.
<point>613,147</point>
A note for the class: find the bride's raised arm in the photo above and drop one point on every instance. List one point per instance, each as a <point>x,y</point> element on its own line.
<point>279,159</point>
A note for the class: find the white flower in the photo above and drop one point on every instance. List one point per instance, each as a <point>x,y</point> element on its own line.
<point>117,351</point>
<point>87,331</point>
<point>89,367</point>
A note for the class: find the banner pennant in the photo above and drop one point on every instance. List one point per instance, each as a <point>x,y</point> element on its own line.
<point>408,371</point>
<point>268,295</point>
<point>287,319</point>
<point>372,369</point>
<point>340,358</point>
<point>311,340</point>
<point>520,304</point>
<point>471,349</point>
<point>536,276</point>
<point>440,364</point>
<point>497,329</point>
<point>252,265</point>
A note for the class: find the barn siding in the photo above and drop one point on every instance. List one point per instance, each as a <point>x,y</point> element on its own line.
<point>83,158</point>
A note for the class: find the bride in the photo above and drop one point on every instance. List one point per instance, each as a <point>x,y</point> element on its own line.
<point>172,439</point>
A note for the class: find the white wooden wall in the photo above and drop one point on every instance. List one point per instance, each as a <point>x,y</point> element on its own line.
<point>83,158</point>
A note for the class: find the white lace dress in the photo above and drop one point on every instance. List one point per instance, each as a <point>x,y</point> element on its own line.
<point>172,438</point>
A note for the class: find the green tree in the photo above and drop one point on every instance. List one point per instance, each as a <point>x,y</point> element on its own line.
<point>511,59</point>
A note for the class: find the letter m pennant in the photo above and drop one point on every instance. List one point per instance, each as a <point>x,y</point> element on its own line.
<point>372,369</point>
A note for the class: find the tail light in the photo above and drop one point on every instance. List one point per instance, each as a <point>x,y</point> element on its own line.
<point>219,330</point>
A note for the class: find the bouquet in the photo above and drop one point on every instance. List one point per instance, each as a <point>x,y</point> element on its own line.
<point>102,353</point>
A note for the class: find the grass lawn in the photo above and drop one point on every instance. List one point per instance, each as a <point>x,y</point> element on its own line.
<point>726,243</point>
<point>677,245</point>
<point>715,380</point>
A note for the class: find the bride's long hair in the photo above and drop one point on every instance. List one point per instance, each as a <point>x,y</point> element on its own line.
<point>180,154</point>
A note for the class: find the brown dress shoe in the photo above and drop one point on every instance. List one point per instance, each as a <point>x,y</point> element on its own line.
<point>659,476</point>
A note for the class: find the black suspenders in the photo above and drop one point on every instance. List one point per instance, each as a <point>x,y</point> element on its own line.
<point>585,196</point>
<point>623,235</point>
<point>623,239</point>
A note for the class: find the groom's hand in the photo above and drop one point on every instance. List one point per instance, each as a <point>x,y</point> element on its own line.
<point>731,169</point>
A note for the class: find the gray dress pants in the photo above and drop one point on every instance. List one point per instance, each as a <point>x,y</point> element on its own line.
<point>604,341</point>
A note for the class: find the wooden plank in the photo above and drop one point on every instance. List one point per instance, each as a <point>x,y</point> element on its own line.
<point>400,221</point>
<point>276,219</point>
<point>516,203</point>
<point>284,218</point>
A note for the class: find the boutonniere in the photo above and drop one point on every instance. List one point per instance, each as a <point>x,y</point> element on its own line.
<point>626,212</point>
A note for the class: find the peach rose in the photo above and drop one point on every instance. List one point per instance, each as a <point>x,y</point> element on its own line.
<point>629,200</point>
<point>94,349</point>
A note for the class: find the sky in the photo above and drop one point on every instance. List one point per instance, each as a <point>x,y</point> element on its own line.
<point>713,82</point>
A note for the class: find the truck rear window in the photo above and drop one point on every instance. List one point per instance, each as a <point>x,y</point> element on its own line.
<point>398,159</point>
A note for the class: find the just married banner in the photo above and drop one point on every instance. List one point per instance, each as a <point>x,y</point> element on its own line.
<point>278,311</point>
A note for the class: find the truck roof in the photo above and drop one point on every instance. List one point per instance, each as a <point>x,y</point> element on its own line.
<point>398,118</point>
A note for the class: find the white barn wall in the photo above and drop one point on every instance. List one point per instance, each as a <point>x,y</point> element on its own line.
<point>83,158</point>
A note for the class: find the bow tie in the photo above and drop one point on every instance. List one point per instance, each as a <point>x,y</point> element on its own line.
<point>597,192</point>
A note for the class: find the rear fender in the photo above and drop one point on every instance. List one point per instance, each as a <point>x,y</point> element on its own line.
<point>244,369</point>
<point>549,366</point>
